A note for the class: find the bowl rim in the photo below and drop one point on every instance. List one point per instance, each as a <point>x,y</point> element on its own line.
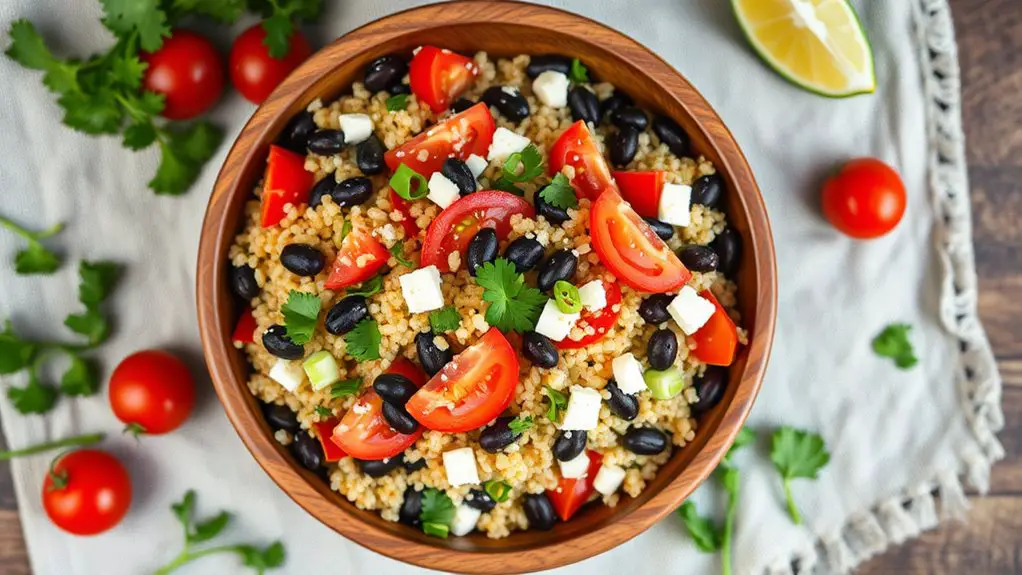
<point>216,239</point>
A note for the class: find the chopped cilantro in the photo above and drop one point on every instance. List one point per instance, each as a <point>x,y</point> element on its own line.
<point>579,74</point>
<point>398,251</point>
<point>397,102</point>
<point>323,411</point>
<point>558,401</point>
<point>519,425</point>
<point>444,319</point>
<point>367,288</point>
<point>363,342</point>
<point>559,193</point>
<point>301,311</point>
<point>345,387</point>
<point>893,342</point>
<point>523,166</point>
<point>437,512</point>
<point>514,306</point>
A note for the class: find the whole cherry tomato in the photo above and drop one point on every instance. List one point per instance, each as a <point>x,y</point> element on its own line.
<point>865,199</point>
<point>254,72</point>
<point>188,71</point>
<point>152,392</point>
<point>86,492</point>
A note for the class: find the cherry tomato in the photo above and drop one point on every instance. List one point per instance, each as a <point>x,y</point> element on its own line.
<point>399,204</point>
<point>86,492</point>
<point>471,390</point>
<point>254,72</point>
<point>460,136</point>
<point>631,250</point>
<point>576,148</point>
<point>361,256</point>
<point>865,199</point>
<point>363,433</point>
<point>572,494</point>
<point>600,321</point>
<point>455,227</point>
<point>717,340</point>
<point>324,429</point>
<point>244,332</point>
<point>286,182</point>
<point>642,190</point>
<point>188,71</point>
<point>438,76</point>
<point>152,391</point>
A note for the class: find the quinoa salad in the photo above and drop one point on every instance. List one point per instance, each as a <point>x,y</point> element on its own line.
<point>482,293</point>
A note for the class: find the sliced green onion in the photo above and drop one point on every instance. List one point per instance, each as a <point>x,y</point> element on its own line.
<point>405,179</point>
<point>345,228</point>
<point>498,490</point>
<point>664,384</point>
<point>436,530</point>
<point>567,298</point>
<point>321,367</point>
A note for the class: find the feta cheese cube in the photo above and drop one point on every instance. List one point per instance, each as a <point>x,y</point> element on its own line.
<point>576,468</point>
<point>593,295</point>
<point>551,88</point>
<point>460,466</point>
<point>356,127</point>
<point>608,479</point>
<point>505,143</point>
<point>465,519</point>
<point>676,205</point>
<point>442,191</point>
<point>628,374</point>
<point>690,311</point>
<point>289,374</point>
<point>421,289</point>
<point>554,323</point>
<point>583,412</point>
<point>476,164</point>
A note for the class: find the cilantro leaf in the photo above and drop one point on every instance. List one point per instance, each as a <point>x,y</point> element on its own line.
<point>35,259</point>
<point>558,401</point>
<point>745,437</point>
<point>92,113</point>
<point>15,353</point>
<point>579,74</point>
<point>519,425</point>
<point>206,530</point>
<point>797,454</point>
<point>127,71</point>
<point>703,532</point>
<point>182,155</point>
<point>97,280</point>
<point>559,193</point>
<point>36,397</point>
<point>262,559</point>
<point>90,324</point>
<point>29,49</point>
<point>301,312</point>
<point>139,136</point>
<point>398,251</point>
<point>183,510</point>
<point>523,166</point>
<point>367,288</point>
<point>397,102</point>
<point>444,319</point>
<point>505,185</point>
<point>81,378</point>
<point>893,342</point>
<point>323,411</point>
<point>226,11</point>
<point>279,22</point>
<point>437,507</point>
<point>345,387</point>
<point>363,342</point>
<point>144,16</point>
<point>513,305</point>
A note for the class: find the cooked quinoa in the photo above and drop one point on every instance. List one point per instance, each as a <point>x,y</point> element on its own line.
<point>527,465</point>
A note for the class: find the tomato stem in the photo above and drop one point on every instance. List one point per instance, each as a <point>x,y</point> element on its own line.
<point>135,429</point>
<point>78,440</point>
<point>187,556</point>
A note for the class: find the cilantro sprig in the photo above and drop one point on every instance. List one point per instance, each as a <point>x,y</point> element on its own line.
<point>370,287</point>
<point>520,425</point>
<point>301,312</point>
<point>520,167</point>
<point>437,513</point>
<point>345,387</point>
<point>893,342</point>
<point>444,319</point>
<point>279,21</point>
<point>35,259</point>
<point>704,533</point>
<point>514,306</point>
<point>397,102</point>
<point>558,401</point>
<point>363,342</point>
<point>559,193</point>
<point>797,454</point>
<point>579,74</point>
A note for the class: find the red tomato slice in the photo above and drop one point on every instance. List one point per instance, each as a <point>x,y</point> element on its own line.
<point>363,433</point>
<point>577,149</point>
<point>455,227</point>
<point>631,250</point>
<point>244,332</point>
<point>471,390</point>
<point>286,182</point>
<point>601,321</point>
<point>571,494</point>
<point>399,204</point>
<point>361,256</point>
<point>438,76</point>
<point>716,341</point>
<point>324,429</point>
<point>460,136</point>
<point>642,190</point>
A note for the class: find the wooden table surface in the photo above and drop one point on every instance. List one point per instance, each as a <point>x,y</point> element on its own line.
<point>990,49</point>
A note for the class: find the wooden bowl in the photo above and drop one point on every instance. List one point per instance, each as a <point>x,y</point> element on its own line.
<point>502,29</point>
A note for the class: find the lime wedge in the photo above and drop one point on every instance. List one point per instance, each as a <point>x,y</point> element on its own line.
<point>816,44</point>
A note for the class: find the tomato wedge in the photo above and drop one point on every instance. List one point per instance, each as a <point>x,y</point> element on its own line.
<point>455,227</point>
<point>716,341</point>
<point>361,256</point>
<point>324,429</point>
<point>600,321</point>
<point>286,182</point>
<point>363,433</point>
<point>571,494</point>
<point>631,249</point>
<point>471,390</point>
<point>399,204</point>
<point>244,332</point>
<point>576,148</point>
<point>459,136</point>
<point>642,190</point>
<point>438,76</point>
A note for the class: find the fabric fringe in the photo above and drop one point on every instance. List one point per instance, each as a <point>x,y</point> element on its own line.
<point>897,523</point>
<point>953,502</point>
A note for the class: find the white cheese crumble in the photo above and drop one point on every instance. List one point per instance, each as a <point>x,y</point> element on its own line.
<point>465,519</point>
<point>628,374</point>
<point>690,310</point>
<point>676,205</point>
<point>576,468</point>
<point>476,164</point>
<point>289,374</point>
<point>551,88</point>
<point>421,289</point>
<point>505,143</point>
<point>460,466</point>
<point>554,323</point>
<point>442,191</point>
<point>593,295</point>
<point>356,127</point>
<point>583,412</point>
<point>608,479</point>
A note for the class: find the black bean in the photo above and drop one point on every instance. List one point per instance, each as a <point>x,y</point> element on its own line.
<point>630,116</point>
<point>326,142</point>
<point>481,500</point>
<point>539,511</point>
<point>671,134</point>
<point>663,230</point>
<point>461,104</point>
<point>699,258</point>
<point>276,341</point>
<point>412,466</point>
<point>399,88</point>
<point>324,187</point>
<point>281,417</point>
<point>622,404</point>
<point>458,172</point>
<point>307,450</point>
<point>508,101</point>
<point>662,349</point>
<point>369,155</point>
<point>352,192</point>
<point>561,265</point>
<point>384,72</point>
<point>399,418</point>
<point>432,358</point>
<point>644,441</point>
<point>654,308</point>
<point>623,145</point>
<point>482,249</point>
<point>546,62</point>
<point>394,388</point>
<point>302,259</point>
<point>296,133</point>
<point>584,105</point>
<point>707,190</point>
<point>243,282</point>
<point>611,103</point>
<point>411,507</point>
<point>728,245</point>
<point>498,436</point>
<point>380,467</point>
<point>525,253</point>
<point>552,213</point>
<point>709,388</point>
<point>346,314</point>
<point>538,349</point>
<point>569,444</point>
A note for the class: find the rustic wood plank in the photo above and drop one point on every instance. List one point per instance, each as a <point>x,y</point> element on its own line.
<point>13,556</point>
